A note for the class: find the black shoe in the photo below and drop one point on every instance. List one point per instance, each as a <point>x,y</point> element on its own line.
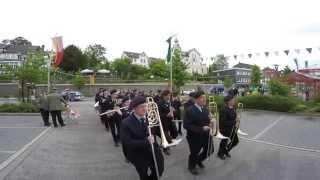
<point>228,155</point>
<point>166,152</point>
<point>47,124</point>
<point>221,156</point>
<point>55,126</point>
<point>107,129</point>
<point>193,171</point>
<point>116,144</point>
<point>201,166</point>
<point>63,125</point>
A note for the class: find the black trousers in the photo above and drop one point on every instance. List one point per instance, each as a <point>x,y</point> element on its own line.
<point>55,115</point>
<point>115,129</point>
<point>104,120</point>
<point>226,146</point>
<point>198,150</point>
<point>142,167</point>
<point>45,116</point>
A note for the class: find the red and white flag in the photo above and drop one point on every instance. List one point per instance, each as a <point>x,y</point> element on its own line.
<point>58,47</point>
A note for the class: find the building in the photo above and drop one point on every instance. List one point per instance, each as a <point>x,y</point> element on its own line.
<point>194,61</point>
<point>268,74</point>
<point>240,74</point>
<point>14,52</point>
<point>137,58</point>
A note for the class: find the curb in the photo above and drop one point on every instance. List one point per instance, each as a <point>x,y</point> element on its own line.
<point>20,114</point>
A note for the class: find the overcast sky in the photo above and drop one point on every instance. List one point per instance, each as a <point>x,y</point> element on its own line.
<point>211,26</point>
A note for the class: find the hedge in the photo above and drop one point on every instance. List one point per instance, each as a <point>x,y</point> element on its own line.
<point>19,108</point>
<point>272,103</point>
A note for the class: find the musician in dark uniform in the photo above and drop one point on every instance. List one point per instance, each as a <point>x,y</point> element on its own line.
<point>227,121</point>
<point>157,97</point>
<point>190,102</point>
<point>137,140</point>
<point>176,104</point>
<point>105,105</point>
<point>125,112</point>
<point>166,115</point>
<point>197,123</point>
<point>114,118</point>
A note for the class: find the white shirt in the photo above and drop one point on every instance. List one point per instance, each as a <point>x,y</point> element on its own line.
<point>199,107</point>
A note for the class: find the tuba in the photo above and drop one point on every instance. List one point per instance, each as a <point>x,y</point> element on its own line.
<point>154,121</point>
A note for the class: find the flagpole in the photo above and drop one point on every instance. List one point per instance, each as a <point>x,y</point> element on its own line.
<point>49,64</point>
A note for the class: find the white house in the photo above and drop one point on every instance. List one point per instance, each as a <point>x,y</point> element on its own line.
<point>137,58</point>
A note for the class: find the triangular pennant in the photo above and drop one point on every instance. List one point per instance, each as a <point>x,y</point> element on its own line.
<point>258,54</point>
<point>286,52</point>
<point>309,50</point>
<point>266,53</point>
<point>297,51</point>
<point>235,56</point>
<point>242,56</point>
<point>276,53</point>
<point>249,55</point>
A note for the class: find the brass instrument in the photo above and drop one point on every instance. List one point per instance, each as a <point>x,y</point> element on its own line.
<point>236,127</point>
<point>154,121</point>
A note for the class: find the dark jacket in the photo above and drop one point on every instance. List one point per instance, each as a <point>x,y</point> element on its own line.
<point>227,119</point>
<point>176,104</point>
<point>164,109</point>
<point>55,102</point>
<point>194,120</point>
<point>134,137</point>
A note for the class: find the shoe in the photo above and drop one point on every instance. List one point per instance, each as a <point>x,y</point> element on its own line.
<point>55,126</point>
<point>47,124</point>
<point>201,166</point>
<point>116,144</point>
<point>193,171</point>
<point>222,157</point>
<point>63,125</point>
<point>166,152</point>
<point>107,129</point>
<point>228,155</point>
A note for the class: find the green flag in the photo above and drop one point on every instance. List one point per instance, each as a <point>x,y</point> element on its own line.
<point>169,50</point>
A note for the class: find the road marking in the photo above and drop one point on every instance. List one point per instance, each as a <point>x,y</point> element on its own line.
<point>21,127</point>
<point>8,152</point>
<point>267,128</point>
<point>18,153</point>
<point>281,145</point>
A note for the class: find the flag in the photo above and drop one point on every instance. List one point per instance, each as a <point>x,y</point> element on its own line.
<point>309,50</point>
<point>266,53</point>
<point>58,47</point>
<point>286,52</point>
<point>276,53</point>
<point>297,51</point>
<point>169,49</point>
<point>249,55</point>
<point>235,57</point>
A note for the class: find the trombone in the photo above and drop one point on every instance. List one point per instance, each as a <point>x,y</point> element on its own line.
<point>154,121</point>
<point>236,127</point>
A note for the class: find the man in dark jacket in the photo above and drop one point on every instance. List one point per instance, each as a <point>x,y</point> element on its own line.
<point>227,120</point>
<point>44,108</point>
<point>137,140</point>
<point>197,123</point>
<point>55,107</point>
<point>176,104</point>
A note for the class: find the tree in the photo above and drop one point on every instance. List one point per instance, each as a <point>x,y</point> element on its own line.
<point>255,76</point>
<point>95,55</point>
<point>73,59</point>
<point>122,67</point>
<point>227,82</point>
<point>278,88</point>
<point>180,75</point>
<point>159,69</point>
<point>138,72</point>
<point>220,62</point>
<point>286,71</point>
<point>78,81</point>
<point>32,71</point>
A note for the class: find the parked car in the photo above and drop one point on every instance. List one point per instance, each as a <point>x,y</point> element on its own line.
<point>72,95</point>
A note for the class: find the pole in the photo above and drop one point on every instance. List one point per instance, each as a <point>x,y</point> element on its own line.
<point>49,64</point>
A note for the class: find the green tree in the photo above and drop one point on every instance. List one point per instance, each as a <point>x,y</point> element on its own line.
<point>220,62</point>
<point>73,59</point>
<point>78,81</point>
<point>277,87</point>
<point>255,76</point>
<point>138,72</point>
<point>286,71</point>
<point>180,75</point>
<point>122,67</point>
<point>95,55</point>
<point>227,82</point>
<point>32,71</point>
<point>159,69</point>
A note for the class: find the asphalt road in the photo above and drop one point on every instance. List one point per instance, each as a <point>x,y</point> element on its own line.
<point>279,146</point>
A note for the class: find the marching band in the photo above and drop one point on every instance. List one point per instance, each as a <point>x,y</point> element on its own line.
<point>136,119</point>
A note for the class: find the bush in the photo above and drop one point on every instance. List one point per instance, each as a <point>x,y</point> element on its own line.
<point>278,88</point>
<point>21,107</point>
